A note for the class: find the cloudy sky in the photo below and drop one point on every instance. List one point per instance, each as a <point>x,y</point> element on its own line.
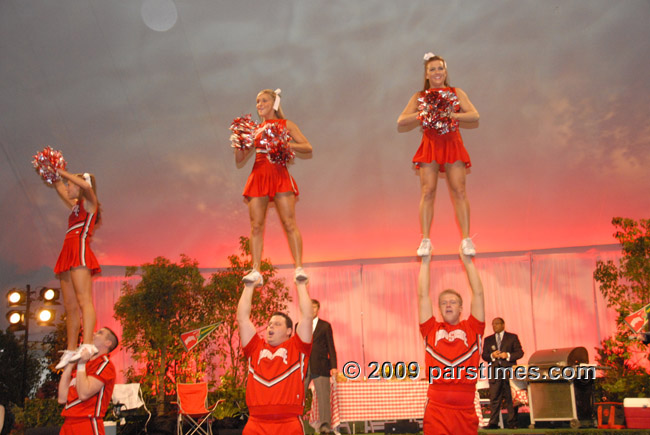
<point>141,93</point>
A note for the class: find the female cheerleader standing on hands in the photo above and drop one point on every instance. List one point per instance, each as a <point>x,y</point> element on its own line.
<point>272,182</point>
<point>77,263</point>
<point>441,149</point>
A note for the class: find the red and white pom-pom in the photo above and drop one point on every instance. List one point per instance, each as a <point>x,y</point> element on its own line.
<point>275,139</point>
<point>47,163</point>
<point>243,132</point>
<point>435,107</point>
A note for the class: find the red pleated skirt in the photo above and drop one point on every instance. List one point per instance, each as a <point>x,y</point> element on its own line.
<point>269,179</point>
<point>76,253</point>
<point>445,148</point>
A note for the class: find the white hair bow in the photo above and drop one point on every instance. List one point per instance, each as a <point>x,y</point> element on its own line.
<point>428,56</point>
<point>88,179</point>
<point>276,103</point>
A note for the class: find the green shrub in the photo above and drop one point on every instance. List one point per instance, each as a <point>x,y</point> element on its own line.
<point>234,402</point>
<point>626,288</point>
<point>38,413</point>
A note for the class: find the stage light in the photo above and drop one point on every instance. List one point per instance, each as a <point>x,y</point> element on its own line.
<point>19,318</point>
<point>16,298</point>
<point>45,317</point>
<point>16,320</point>
<point>49,295</point>
<point>15,317</point>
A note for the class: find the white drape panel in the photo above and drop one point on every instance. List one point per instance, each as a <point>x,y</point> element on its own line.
<point>339,290</point>
<point>107,290</point>
<point>548,298</point>
<point>506,282</point>
<point>606,316</point>
<point>391,329</point>
<point>566,302</point>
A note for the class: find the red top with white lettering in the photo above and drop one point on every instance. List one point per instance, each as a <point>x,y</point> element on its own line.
<point>95,407</point>
<point>276,376</point>
<point>453,346</point>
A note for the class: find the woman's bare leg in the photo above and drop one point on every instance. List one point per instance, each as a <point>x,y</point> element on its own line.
<point>285,203</point>
<point>83,285</point>
<point>428,185</point>
<point>456,181</point>
<point>257,207</point>
<point>72,315</point>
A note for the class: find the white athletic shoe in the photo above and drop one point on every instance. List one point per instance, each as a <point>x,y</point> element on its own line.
<point>76,356</point>
<point>425,248</point>
<point>65,359</point>
<point>253,277</point>
<point>467,246</point>
<point>300,275</point>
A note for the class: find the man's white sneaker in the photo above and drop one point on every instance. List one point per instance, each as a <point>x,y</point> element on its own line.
<point>253,277</point>
<point>425,248</point>
<point>467,246</point>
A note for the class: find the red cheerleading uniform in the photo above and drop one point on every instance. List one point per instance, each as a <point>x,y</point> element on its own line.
<point>86,417</point>
<point>266,178</point>
<point>275,387</point>
<point>441,148</point>
<point>76,246</point>
<point>452,350</point>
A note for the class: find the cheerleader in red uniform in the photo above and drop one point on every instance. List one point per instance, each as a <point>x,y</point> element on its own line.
<point>440,153</point>
<point>272,182</point>
<point>77,263</point>
<point>452,352</point>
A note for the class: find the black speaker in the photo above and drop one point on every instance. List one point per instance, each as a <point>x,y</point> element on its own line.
<point>402,426</point>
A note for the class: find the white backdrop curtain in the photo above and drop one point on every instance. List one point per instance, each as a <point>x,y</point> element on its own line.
<point>548,298</point>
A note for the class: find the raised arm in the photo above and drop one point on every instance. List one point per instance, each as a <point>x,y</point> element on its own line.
<point>408,120</point>
<point>468,112</point>
<point>246,327</point>
<point>89,193</point>
<point>304,328</point>
<point>87,386</point>
<point>299,142</point>
<point>478,300</point>
<point>425,308</point>
<point>63,194</point>
<point>64,384</point>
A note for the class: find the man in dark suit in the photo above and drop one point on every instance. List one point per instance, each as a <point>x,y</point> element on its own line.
<point>501,349</point>
<point>322,365</point>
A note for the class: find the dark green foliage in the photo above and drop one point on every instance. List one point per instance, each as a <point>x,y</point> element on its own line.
<point>233,401</point>
<point>171,299</point>
<point>626,288</point>
<point>11,375</point>
<point>166,302</point>
<point>53,343</point>
<point>38,413</point>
